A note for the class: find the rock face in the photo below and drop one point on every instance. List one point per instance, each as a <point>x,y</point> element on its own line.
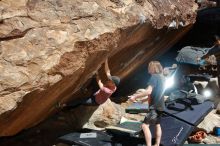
<point>50,48</point>
<point>208,124</point>
<point>105,115</point>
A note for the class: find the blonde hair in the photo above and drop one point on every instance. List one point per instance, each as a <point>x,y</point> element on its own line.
<point>155,67</point>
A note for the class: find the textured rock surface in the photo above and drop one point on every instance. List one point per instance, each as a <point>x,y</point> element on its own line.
<point>208,124</point>
<point>105,115</point>
<point>50,48</point>
<point>211,139</point>
<point>108,114</point>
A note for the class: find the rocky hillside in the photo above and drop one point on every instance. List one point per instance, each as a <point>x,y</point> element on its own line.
<point>50,48</point>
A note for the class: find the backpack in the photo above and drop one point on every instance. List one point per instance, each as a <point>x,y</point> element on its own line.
<point>187,99</point>
<point>191,55</point>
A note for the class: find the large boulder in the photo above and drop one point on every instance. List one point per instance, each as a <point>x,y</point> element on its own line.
<point>50,48</point>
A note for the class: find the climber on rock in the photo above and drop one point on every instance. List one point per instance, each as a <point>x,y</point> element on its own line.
<point>108,88</point>
<point>104,92</point>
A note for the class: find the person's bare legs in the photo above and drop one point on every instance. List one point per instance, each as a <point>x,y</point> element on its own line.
<point>158,134</point>
<point>147,134</point>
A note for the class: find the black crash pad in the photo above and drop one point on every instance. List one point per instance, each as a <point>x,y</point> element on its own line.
<point>92,138</point>
<point>137,107</point>
<point>102,139</point>
<point>199,77</point>
<point>125,129</point>
<point>192,116</point>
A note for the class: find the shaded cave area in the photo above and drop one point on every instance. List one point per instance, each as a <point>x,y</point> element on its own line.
<point>46,133</point>
<point>203,34</point>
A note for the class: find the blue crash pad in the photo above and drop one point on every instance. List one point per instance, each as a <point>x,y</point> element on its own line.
<point>192,116</point>
<point>175,132</point>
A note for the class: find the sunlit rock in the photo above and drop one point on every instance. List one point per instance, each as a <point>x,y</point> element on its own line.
<point>50,48</point>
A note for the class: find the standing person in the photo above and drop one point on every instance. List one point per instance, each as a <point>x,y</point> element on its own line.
<point>101,96</point>
<point>155,89</point>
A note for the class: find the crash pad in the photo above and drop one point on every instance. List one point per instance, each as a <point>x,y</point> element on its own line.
<point>175,131</point>
<point>199,77</point>
<point>137,107</point>
<point>91,138</point>
<point>193,115</point>
<point>125,129</point>
<point>99,138</point>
